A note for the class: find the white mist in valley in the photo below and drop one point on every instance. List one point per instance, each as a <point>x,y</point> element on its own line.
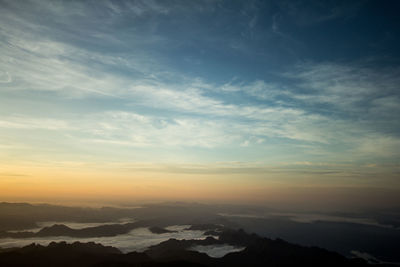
<point>216,251</point>
<point>138,239</point>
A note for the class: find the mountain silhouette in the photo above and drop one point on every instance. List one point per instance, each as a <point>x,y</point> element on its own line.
<point>258,251</point>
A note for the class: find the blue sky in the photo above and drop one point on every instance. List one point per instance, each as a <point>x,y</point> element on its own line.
<point>303,87</point>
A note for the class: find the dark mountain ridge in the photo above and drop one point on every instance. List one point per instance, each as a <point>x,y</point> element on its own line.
<point>258,252</point>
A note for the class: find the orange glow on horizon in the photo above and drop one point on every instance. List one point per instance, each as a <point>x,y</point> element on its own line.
<point>105,184</point>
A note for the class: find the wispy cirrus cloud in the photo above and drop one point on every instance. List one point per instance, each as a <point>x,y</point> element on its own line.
<point>116,86</point>
<point>24,122</point>
<point>225,122</point>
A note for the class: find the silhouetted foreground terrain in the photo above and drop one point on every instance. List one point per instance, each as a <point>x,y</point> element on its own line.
<point>22,224</point>
<point>258,252</point>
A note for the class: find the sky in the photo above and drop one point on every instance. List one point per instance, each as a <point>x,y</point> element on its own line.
<point>266,102</point>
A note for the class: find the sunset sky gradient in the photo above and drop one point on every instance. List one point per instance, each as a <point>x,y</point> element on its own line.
<point>265,102</point>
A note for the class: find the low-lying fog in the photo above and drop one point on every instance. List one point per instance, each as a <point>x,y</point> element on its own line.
<point>312,217</point>
<point>216,251</point>
<point>375,232</point>
<point>138,239</point>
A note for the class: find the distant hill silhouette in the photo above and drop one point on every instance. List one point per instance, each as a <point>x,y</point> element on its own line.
<point>258,252</point>
<point>96,231</point>
<point>342,237</point>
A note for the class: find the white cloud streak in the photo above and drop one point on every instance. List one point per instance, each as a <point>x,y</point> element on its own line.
<point>189,111</point>
<point>18,122</point>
